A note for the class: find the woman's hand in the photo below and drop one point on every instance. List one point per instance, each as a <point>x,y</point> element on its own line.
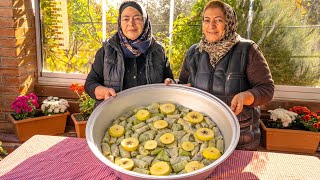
<point>168,81</point>
<point>104,93</point>
<point>241,99</point>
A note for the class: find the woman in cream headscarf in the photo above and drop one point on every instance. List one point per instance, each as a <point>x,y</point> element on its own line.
<point>231,68</point>
<point>131,57</point>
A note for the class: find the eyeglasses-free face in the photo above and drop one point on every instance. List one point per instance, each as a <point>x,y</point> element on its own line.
<point>131,23</point>
<point>213,24</point>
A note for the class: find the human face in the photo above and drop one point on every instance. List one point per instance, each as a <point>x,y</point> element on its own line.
<point>131,23</point>
<point>213,24</point>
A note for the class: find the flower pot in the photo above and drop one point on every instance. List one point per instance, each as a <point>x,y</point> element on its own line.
<point>290,140</point>
<point>80,126</point>
<point>44,125</point>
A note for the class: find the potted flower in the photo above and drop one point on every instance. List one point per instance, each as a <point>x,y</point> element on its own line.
<point>29,121</point>
<point>86,106</point>
<point>293,130</point>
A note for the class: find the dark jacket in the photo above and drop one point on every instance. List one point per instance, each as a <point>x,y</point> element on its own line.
<point>228,78</point>
<point>108,68</point>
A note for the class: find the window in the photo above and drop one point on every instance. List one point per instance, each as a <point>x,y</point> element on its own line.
<point>286,31</point>
<point>71,35</point>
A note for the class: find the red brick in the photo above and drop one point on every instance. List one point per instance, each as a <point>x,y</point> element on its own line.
<point>19,3</point>
<point>6,3</point>
<point>2,99</point>
<point>11,32</point>
<point>20,51</point>
<point>31,50</point>
<point>12,52</point>
<point>11,81</point>
<point>9,42</point>
<point>8,103</point>
<point>9,71</point>
<point>26,88</point>
<point>18,62</point>
<point>5,107</point>
<point>6,12</point>
<point>23,4</point>
<point>7,32</point>
<point>10,62</point>
<point>10,98</point>
<point>18,81</point>
<point>28,59</point>
<point>7,22</point>
<point>23,13</point>
<point>22,70</point>
<point>9,90</point>
<point>7,128</point>
<point>30,32</point>
<point>19,32</point>
<point>24,22</point>
<point>31,68</point>
<point>8,52</point>
<point>2,118</point>
<point>25,41</point>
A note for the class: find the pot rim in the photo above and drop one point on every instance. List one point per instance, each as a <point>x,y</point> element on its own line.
<point>226,154</point>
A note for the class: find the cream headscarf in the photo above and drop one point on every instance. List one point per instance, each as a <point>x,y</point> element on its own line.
<point>217,50</point>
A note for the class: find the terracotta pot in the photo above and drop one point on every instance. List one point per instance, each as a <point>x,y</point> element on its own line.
<point>290,140</point>
<point>44,125</point>
<point>80,126</point>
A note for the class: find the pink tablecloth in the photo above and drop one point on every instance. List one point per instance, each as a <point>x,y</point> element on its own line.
<point>52,157</point>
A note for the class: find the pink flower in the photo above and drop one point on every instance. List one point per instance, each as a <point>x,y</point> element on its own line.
<point>24,106</point>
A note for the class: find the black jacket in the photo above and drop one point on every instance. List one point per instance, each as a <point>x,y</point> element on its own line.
<point>228,78</point>
<point>108,68</point>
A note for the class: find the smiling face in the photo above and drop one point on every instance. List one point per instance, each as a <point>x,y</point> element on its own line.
<point>213,24</point>
<point>131,23</point>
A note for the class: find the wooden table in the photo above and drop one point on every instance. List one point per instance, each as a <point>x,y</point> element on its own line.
<point>54,157</point>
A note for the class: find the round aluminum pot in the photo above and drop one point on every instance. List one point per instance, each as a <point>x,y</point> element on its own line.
<point>198,100</point>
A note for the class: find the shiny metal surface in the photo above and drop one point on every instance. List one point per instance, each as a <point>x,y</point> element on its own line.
<point>193,98</point>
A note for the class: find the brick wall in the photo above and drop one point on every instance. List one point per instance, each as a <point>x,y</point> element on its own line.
<point>18,64</point>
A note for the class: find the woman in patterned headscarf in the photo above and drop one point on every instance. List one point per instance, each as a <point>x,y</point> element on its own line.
<point>131,57</point>
<point>231,68</point>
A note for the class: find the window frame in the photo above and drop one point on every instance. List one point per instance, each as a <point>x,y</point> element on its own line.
<point>282,92</point>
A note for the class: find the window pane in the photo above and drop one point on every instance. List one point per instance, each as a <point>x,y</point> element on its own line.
<point>287,32</point>
<point>72,33</point>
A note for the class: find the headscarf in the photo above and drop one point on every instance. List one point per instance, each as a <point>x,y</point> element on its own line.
<point>134,48</point>
<point>217,50</point>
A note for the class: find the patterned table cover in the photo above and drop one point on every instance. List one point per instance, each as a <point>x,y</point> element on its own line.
<point>54,157</point>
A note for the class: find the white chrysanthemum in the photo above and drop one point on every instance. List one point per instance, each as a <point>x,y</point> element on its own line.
<point>64,102</point>
<point>54,105</point>
<point>285,124</point>
<point>56,110</point>
<point>285,116</point>
<point>63,106</point>
<point>43,107</point>
<point>63,109</point>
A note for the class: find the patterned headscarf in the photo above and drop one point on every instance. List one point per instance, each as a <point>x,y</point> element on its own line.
<point>141,45</point>
<point>217,50</point>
